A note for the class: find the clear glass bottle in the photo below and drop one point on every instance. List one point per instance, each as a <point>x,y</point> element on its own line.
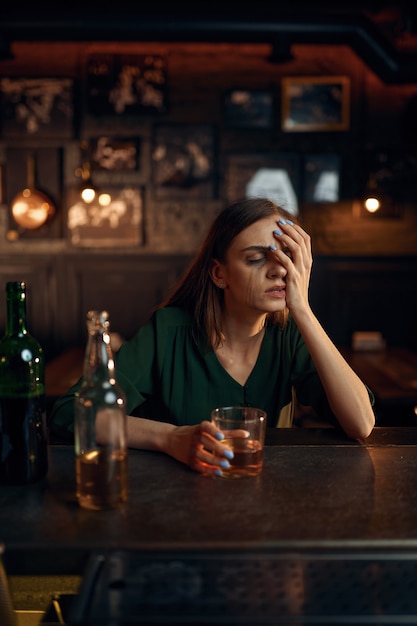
<point>100,423</point>
<point>23,431</point>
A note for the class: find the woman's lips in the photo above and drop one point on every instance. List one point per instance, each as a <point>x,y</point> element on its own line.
<point>276,292</point>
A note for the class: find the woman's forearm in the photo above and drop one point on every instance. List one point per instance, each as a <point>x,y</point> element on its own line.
<point>347,395</point>
<point>198,446</point>
<point>147,434</point>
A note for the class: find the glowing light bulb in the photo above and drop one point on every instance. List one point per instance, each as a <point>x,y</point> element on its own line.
<point>372,204</point>
<point>88,194</point>
<point>104,199</point>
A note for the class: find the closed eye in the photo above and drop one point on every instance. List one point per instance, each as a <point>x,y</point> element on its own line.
<point>256,254</point>
<point>256,260</point>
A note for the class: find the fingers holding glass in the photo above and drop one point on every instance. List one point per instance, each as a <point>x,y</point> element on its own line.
<point>210,455</point>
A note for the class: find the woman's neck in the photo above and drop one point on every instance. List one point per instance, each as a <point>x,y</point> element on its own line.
<point>239,350</point>
<point>242,331</point>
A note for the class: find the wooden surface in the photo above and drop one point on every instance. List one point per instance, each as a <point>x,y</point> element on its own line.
<point>391,373</point>
<point>317,488</point>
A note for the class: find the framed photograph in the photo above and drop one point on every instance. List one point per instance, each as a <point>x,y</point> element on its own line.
<point>119,85</point>
<point>115,222</point>
<point>311,104</point>
<point>113,154</point>
<point>273,176</point>
<point>248,109</point>
<point>183,161</point>
<point>37,107</point>
<point>322,174</point>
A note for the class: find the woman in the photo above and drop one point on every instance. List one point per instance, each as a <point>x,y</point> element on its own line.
<point>237,329</point>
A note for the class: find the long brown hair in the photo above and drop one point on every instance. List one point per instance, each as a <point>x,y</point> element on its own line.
<point>195,291</point>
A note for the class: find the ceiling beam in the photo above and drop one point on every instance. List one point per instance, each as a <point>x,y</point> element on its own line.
<point>393,66</point>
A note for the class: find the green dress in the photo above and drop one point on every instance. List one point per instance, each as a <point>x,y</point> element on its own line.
<point>168,377</point>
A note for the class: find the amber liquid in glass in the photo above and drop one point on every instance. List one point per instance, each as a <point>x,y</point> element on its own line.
<point>102,478</point>
<point>248,457</point>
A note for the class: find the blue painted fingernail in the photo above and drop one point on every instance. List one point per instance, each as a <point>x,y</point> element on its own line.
<point>218,472</point>
<point>272,247</point>
<point>290,222</point>
<point>224,464</point>
<point>219,436</point>
<point>228,454</point>
<point>281,221</point>
<point>277,232</point>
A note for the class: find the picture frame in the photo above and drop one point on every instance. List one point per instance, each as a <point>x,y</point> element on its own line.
<point>126,84</point>
<point>113,154</point>
<point>183,157</point>
<point>274,176</point>
<point>312,104</point>
<point>117,224</point>
<point>248,109</point>
<point>37,107</point>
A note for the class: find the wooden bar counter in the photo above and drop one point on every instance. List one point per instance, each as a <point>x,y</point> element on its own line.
<point>317,488</point>
<point>327,532</point>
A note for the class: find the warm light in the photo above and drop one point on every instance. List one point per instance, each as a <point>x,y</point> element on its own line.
<point>88,194</point>
<point>372,204</point>
<point>104,199</point>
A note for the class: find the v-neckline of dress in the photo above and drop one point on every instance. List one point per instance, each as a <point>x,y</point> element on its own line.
<point>251,373</point>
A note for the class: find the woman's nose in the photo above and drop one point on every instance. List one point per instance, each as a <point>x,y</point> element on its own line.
<point>277,269</point>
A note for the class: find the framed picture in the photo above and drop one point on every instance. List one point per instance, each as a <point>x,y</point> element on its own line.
<point>273,176</point>
<point>113,154</point>
<point>37,107</point>
<point>119,85</point>
<point>183,161</point>
<point>315,104</point>
<point>116,222</point>
<point>322,174</point>
<point>248,109</point>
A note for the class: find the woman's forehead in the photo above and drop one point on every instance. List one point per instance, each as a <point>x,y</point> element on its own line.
<point>259,232</point>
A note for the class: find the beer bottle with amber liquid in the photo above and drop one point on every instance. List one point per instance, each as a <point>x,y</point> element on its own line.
<point>100,423</point>
<point>23,431</point>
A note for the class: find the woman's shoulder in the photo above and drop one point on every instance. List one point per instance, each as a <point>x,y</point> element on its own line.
<point>161,323</point>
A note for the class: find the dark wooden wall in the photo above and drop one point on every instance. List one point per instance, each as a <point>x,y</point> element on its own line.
<point>352,294</point>
<point>61,290</point>
<point>348,294</point>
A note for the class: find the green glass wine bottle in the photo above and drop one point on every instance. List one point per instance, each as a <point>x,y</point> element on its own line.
<point>23,431</point>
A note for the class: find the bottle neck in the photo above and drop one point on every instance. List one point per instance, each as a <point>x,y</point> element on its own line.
<point>16,309</point>
<point>99,362</point>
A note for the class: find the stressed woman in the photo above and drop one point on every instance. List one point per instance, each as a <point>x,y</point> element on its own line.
<point>237,329</point>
